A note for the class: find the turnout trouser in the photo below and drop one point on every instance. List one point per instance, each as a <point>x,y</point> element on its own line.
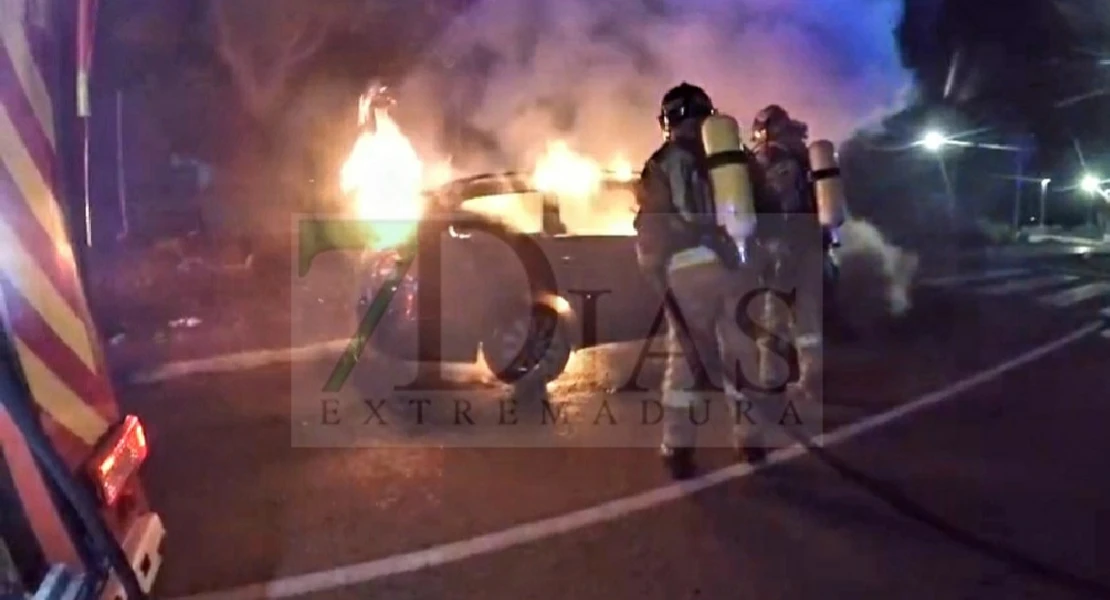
<point>792,314</point>
<point>706,349</point>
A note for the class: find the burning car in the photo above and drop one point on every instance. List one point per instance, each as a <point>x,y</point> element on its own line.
<point>517,269</point>
<point>509,268</point>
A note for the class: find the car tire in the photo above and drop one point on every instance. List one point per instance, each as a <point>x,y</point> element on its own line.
<point>546,349</point>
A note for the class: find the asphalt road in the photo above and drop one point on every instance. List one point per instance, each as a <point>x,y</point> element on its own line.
<point>1013,467</point>
<point>257,484</point>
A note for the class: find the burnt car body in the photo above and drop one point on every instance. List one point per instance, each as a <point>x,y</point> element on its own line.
<point>497,271</point>
<point>524,290</point>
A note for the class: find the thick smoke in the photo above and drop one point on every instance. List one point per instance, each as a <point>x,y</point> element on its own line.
<point>875,277</point>
<point>514,74</point>
<point>509,76</point>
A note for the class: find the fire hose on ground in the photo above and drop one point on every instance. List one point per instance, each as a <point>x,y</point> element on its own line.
<point>900,502</point>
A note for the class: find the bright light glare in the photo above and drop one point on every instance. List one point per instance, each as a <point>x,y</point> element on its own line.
<point>565,172</point>
<point>933,141</point>
<point>1089,184</point>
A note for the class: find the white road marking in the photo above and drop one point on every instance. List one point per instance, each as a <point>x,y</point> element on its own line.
<point>253,359</point>
<point>1026,285</point>
<point>973,277</point>
<point>535,531</point>
<point>1105,314</point>
<point>239,361</point>
<point>1075,295</point>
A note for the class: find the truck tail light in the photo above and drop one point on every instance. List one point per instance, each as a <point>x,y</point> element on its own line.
<point>118,457</point>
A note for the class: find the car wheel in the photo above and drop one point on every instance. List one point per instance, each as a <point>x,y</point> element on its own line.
<point>520,350</point>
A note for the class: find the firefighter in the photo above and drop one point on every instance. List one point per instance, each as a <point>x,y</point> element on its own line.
<point>792,248</point>
<point>693,258</point>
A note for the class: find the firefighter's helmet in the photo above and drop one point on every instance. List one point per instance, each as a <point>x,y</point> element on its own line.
<point>774,122</point>
<point>682,102</point>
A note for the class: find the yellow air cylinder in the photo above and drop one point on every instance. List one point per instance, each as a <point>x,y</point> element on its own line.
<point>832,207</point>
<point>728,172</point>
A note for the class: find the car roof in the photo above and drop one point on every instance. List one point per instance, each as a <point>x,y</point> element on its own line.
<point>510,182</point>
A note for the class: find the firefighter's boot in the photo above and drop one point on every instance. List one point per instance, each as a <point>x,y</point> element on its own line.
<point>679,461</point>
<point>747,442</point>
<point>677,449</point>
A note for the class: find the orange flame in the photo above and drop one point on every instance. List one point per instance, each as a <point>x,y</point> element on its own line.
<point>586,205</point>
<point>385,178</point>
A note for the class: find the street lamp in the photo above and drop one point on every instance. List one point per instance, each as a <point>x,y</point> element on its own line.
<point>1044,192</point>
<point>934,141</point>
<point>1092,185</point>
<point>1089,184</point>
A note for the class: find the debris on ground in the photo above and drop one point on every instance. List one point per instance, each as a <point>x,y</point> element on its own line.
<point>187,322</point>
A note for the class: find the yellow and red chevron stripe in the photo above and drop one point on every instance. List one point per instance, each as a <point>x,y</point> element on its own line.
<point>41,300</point>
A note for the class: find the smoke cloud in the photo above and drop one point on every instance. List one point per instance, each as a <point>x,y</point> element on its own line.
<point>510,75</point>
<point>876,278</point>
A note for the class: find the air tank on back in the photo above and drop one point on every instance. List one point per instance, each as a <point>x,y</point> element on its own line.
<point>832,207</point>
<point>728,172</point>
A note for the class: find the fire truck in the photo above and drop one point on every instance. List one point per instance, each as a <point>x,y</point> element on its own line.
<point>74,520</point>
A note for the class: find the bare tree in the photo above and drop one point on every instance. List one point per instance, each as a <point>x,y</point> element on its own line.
<point>264,42</point>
